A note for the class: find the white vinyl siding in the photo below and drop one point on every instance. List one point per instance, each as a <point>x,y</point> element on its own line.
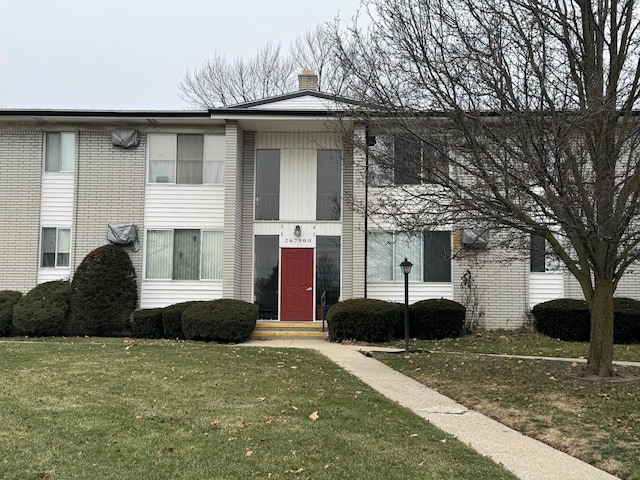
<point>545,286</point>
<point>394,291</point>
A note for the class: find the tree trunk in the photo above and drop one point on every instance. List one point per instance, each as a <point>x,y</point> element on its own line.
<point>600,361</point>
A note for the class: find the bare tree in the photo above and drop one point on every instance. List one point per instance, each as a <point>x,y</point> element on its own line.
<point>518,116</point>
<point>221,82</point>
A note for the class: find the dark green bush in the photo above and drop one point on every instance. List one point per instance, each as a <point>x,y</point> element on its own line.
<point>223,320</point>
<point>363,319</point>
<point>172,319</point>
<point>103,292</point>
<point>8,299</point>
<point>626,320</point>
<point>147,323</point>
<point>43,310</point>
<point>436,318</point>
<point>563,318</point>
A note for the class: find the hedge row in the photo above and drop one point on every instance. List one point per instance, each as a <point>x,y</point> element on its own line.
<point>223,320</point>
<point>569,319</point>
<point>371,320</point>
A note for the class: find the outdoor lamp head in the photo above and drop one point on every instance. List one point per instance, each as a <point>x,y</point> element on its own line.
<point>406,266</point>
<point>297,231</point>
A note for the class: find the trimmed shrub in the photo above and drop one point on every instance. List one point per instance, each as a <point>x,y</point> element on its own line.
<point>147,323</point>
<point>172,319</point>
<point>563,318</point>
<point>223,320</point>
<point>8,299</point>
<point>103,292</point>
<point>626,320</point>
<point>43,310</point>
<point>363,319</point>
<point>436,318</point>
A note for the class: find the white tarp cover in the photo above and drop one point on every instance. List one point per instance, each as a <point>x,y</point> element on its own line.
<point>123,234</point>
<point>125,138</point>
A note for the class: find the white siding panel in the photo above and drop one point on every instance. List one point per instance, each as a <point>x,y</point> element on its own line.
<point>545,286</point>
<point>394,291</point>
<point>306,102</point>
<point>163,293</point>
<point>57,200</point>
<point>298,184</point>
<point>184,206</point>
<point>310,140</point>
<point>51,274</point>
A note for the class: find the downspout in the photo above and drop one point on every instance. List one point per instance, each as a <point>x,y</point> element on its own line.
<point>366,205</point>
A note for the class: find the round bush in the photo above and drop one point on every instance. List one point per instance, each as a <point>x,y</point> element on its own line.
<point>43,310</point>
<point>223,320</point>
<point>8,299</point>
<point>626,320</point>
<point>436,318</point>
<point>363,319</point>
<point>103,292</point>
<point>563,318</point>
<point>172,319</point>
<point>147,323</point>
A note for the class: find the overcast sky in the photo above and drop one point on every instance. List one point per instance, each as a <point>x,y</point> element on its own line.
<point>131,54</point>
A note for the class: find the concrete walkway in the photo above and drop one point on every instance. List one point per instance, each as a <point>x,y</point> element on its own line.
<point>526,458</point>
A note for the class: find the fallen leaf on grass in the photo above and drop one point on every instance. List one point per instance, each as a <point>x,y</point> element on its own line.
<point>413,435</point>
<point>314,416</point>
<point>249,453</point>
<point>215,424</point>
<point>294,408</point>
<point>294,471</point>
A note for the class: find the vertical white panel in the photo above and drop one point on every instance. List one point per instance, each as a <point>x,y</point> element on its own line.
<point>545,286</point>
<point>298,184</point>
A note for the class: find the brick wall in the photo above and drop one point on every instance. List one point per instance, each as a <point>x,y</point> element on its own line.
<point>20,182</point>
<point>110,183</point>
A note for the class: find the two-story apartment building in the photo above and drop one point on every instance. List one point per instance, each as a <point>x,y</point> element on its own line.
<point>259,202</point>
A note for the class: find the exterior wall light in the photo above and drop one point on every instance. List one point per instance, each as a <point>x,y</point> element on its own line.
<point>297,231</point>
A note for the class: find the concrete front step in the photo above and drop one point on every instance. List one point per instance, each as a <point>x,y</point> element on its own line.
<point>275,329</point>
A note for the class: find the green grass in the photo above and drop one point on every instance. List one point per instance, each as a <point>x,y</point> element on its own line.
<point>510,342</point>
<point>112,409</point>
<point>597,422</point>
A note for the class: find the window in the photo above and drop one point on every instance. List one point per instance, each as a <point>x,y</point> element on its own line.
<point>385,252</point>
<point>437,256</point>
<point>56,247</point>
<point>403,160</point>
<point>430,254</point>
<point>267,184</point>
<point>59,152</point>
<point>186,158</point>
<point>542,259</point>
<point>184,254</point>
<point>329,179</point>
<point>327,270</point>
<point>266,276</point>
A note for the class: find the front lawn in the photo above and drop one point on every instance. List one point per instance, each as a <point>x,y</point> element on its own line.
<point>118,409</point>
<point>596,422</point>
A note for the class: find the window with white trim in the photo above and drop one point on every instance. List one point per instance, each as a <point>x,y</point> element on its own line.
<point>55,247</point>
<point>430,254</point>
<point>59,152</point>
<point>184,254</point>
<point>186,158</point>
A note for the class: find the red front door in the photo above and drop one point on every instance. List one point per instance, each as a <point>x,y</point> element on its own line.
<point>296,297</point>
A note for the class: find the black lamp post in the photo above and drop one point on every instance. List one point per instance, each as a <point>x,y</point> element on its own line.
<point>406,270</point>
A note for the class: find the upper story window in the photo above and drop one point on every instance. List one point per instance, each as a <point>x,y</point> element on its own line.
<point>403,160</point>
<point>329,185</point>
<point>268,184</point>
<point>186,158</point>
<point>430,254</point>
<point>56,247</point>
<point>59,151</point>
<point>542,258</point>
